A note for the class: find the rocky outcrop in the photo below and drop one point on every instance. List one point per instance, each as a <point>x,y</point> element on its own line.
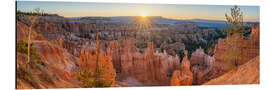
<point>23,30</point>
<point>200,58</point>
<point>148,68</point>
<point>174,48</point>
<point>236,50</point>
<point>248,73</point>
<point>184,76</point>
<point>59,59</point>
<point>56,70</point>
<point>99,64</point>
<point>201,64</point>
<point>232,52</point>
<point>255,33</point>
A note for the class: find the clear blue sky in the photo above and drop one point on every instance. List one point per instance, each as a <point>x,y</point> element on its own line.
<point>79,9</point>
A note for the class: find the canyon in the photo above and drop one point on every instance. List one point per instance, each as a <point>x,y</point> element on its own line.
<point>178,55</point>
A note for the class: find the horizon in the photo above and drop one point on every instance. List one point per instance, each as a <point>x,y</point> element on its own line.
<point>170,11</point>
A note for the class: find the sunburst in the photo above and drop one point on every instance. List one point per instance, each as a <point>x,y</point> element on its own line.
<point>143,15</point>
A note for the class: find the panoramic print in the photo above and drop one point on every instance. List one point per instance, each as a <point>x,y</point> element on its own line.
<point>93,45</point>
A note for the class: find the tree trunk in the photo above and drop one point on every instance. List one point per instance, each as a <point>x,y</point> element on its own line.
<point>29,44</point>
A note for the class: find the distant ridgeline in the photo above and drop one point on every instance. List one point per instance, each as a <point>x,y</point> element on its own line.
<point>154,19</point>
<point>18,12</point>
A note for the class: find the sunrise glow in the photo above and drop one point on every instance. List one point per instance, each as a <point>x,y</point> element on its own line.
<point>143,15</point>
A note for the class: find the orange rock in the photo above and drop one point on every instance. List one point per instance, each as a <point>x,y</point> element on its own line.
<point>91,60</point>
<point>177,78</point>
<point>148,68</point>
<point>232,52</point>
<point>201,64</point>
<point>184,76</point>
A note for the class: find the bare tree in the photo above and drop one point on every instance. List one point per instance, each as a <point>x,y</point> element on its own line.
<point>32,20</point>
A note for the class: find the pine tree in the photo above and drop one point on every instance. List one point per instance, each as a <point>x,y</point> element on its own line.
<point>234,22</point>
<point>235,31</point>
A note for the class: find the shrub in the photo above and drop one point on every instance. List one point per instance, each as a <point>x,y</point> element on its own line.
<point>22,48</point>
<point>24,73</point>
<point>46,76</point>
<point>88,79</point>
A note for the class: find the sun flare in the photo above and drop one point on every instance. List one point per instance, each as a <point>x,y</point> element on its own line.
<point>143,15</point>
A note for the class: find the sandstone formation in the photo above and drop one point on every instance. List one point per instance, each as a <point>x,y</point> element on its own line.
<point>76,33</point>
<point>236,50</point>
<point>95,61</point>
<point>57,71</point>
<point>22,32</point>
<point>148,68</point>
<point>248,73</point>
<point>226,58</point>
<point>255,33</point>
<point>67,47</point>
<point>184,76</point>
<point>201,64</point>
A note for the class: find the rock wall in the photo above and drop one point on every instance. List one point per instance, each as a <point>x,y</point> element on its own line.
<point>149,68</point>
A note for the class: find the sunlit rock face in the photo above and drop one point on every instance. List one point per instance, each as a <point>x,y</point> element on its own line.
<point>200,58</point>
<point>228,53</point>
<point>93,60</point>
<point>248,73</point>
<point>232,52</point>
<point>23,31</point>
<point>238,48</point>
<point>201,64</point>
<point>148,68</point>
<point>182,76</point>
<point>57,68</point>
<point>57,57</point>
<point>255,33</point>
<point>58,65</point>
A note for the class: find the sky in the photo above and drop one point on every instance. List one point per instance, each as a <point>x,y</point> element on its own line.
<point>173,11</point>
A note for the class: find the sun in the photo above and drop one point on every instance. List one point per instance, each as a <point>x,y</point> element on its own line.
<point>143,15</point>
